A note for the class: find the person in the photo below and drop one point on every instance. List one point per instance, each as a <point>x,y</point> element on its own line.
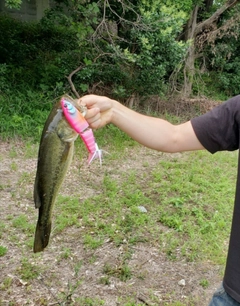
<point>216,130</point>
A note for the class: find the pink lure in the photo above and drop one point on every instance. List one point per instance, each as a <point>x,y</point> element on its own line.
<point>81,126</point>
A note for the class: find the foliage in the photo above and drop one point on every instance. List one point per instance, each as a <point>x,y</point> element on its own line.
<point>121,48</point>
<point>34,55</point>
<point>130,49</point>
<point>221,56</point>
<point>155,52</point>
<point>23,115</point>
<point>226,71</point>
<point>13,3</point>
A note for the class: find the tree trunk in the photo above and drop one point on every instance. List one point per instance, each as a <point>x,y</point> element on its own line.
<point>191,30</point>
<point>189,69</point>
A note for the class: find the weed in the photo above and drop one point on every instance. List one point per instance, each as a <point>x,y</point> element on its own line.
<point>92,242</point>
<point>6,284</point>
<point>105,280</point>
<point>130,301</point>
<point>14,166</point>
<point>24,178</point>
<point>27,270</point>
<point>87,301</point>
<point>2,227</point>
<point>123,272</point>
<point>21,222</point>
<point>3,250</point>
<point>204,283</point>
<point>30,150</point>
<point>65,296</point>
<point>65,254</point>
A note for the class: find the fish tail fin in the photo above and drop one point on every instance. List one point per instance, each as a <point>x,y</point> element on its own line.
<point>42,235</point>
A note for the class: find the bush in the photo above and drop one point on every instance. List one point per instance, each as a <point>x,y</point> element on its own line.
<point>35,55</point>
<point>224,66</point>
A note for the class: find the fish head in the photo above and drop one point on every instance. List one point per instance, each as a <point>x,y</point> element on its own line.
<point>65,132</point>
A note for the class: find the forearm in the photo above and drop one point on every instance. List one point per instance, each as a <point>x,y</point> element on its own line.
<point>153,132</point>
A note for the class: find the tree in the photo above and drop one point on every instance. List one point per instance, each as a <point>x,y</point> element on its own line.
<point>204,18</point>
<point>131,45</point>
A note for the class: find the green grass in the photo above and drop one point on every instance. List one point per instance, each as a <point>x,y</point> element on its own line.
<point>28,271</point>
<point>192,196</point>
<point>22,223</point>
<point>3,250</point>
<point>196,203</point>
<point>87,301</point>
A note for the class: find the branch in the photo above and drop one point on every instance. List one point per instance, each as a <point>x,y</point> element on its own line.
<point>229,4</point>
<point>70,80</point>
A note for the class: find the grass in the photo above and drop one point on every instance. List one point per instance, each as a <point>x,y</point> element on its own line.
<point>3,250</point>
<point>196,203</point>
<point>28,271</point>
<point>192,196</point>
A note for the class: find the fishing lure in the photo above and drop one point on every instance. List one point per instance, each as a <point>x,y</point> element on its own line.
<point>77,121</point>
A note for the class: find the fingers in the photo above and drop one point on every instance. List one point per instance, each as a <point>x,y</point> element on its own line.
<point>93,117</point>
<point>99,110</point>
<point>89,101</point>
<point>92,113</point>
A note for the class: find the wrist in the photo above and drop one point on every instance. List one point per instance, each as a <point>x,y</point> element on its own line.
<point>115,111</point>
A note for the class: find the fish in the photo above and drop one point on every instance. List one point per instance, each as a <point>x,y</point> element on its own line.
<point>55,154</point>
<point>77,121</point>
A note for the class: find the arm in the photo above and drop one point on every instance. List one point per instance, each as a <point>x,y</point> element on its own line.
<point>151,132</point>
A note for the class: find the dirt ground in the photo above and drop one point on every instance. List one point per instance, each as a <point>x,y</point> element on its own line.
<point>155,280</point>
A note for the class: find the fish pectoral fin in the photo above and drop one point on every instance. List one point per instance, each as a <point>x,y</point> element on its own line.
<point>41,239</point>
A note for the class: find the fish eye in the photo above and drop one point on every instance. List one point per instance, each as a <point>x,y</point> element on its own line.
<point>65,105</point>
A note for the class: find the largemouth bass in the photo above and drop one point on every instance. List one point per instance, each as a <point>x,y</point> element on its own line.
<point>54,158</point>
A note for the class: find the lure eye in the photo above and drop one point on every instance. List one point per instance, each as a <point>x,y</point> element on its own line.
<point>71,110</point>
<point>69,107</point>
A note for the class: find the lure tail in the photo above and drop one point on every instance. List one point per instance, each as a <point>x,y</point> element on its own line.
<point>89,140</point>
<point>96,154</point>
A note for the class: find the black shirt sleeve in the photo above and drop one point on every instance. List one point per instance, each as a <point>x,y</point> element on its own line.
<point>218,129</point>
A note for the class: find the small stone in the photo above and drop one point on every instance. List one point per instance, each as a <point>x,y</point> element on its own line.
<point>182,282</point>
<point>142,209</point>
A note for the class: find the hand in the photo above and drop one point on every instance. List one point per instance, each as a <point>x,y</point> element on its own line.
<point>99,110</point>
